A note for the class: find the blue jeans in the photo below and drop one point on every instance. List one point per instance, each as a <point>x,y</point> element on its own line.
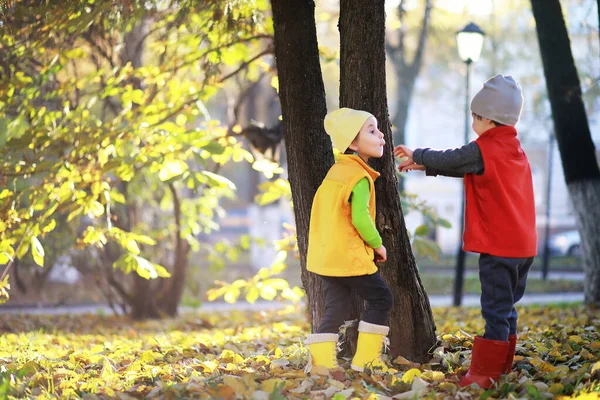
<point>371,288</point>
<point>503,282</point>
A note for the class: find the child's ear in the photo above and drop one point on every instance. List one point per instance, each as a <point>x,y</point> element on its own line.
<point>353,145</point>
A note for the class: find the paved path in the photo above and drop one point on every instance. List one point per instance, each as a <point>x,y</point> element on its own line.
<point>435,300</point>
<point>537,274</point>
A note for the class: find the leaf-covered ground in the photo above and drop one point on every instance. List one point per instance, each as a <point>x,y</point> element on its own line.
<point>260,356</point>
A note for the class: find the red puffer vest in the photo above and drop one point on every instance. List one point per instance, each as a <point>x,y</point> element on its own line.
<point>500,206</point>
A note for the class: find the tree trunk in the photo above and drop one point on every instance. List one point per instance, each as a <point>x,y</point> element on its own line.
<point>303,108</point>
<point>406,84</point>
<point>142,301</point>
<point>407,73</point>
<point>577,151</point>
<point>363,86</point>
<point>171,297</point>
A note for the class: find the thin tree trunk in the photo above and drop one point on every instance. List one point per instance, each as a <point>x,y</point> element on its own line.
<point>142,301</point>
<point>170,298</point>
<point>577,151</point>
<point>363,86</point>
<point>308,148</point>
<point>406,85</point>
<point>407,73</point>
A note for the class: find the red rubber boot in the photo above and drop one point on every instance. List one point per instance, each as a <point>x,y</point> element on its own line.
<point>487,362</point>
<point>510,355</point>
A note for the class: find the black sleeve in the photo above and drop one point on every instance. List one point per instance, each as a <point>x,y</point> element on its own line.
<point>455,162</point>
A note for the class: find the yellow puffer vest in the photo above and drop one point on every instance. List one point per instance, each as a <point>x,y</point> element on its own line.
<point>334,246</point>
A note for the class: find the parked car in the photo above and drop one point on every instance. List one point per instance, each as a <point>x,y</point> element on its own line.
<point>565,244</point>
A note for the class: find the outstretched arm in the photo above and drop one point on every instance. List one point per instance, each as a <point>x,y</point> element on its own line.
<point>455,162</point>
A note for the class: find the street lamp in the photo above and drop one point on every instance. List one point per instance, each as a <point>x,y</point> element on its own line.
<point>469,41</point>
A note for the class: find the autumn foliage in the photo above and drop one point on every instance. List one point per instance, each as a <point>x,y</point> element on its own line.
<point>260,355</point>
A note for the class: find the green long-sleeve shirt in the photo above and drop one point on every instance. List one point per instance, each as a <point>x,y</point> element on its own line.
<point>360,214</point>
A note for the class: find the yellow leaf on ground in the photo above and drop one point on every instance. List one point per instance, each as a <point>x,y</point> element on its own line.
<point>235,383</point>
<point>402,361</point>
<point>226,392</point>
<point>448,387</point>
<point>270,384</point>
<point>556,388</point>
<point>576,338</point>
<point>319,370</point>
<point>434,375</point>
<point>564,369</point>
<point>410,375</point>
<point>249,381</point>
<point>542,365</point>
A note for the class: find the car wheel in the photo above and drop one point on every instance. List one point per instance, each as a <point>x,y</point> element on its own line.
<point>574,251</point>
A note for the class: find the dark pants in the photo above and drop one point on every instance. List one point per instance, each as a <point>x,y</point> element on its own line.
<point>503,283</point>
<point>371,288</point>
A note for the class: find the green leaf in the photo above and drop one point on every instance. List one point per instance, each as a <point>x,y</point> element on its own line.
<point>171,127</point>
<point>232,295</point>
<point>252,295</point>
<point>275,83</point>
<point>149,270</point>
<point>95,208</point>
<point>444,223</point>
<point>218,180</point>
<point>132,246</point>
<point>4,288</point>
<point>214,148</point>
<point>276,283</point>
<point>49,226</point>
<point>37,251</point>
<point>425,247</point>
<point>75,53</point>
<point>268,293</point>
<point>181,120</point>
<point>5,258</point>
<point>422,230</point>
<point>171,169</point>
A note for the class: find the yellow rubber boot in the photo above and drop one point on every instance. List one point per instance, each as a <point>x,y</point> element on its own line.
<point>322,349</point>
<point>371,341</point>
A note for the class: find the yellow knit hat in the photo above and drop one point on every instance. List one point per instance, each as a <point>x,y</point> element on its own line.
<point>343,125</point>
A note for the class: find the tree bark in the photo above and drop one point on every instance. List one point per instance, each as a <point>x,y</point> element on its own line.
<point>142,301</point>
<point>170,298</point>
<point>577,151</point>
<point>308,148</point>
<point>363,86</point>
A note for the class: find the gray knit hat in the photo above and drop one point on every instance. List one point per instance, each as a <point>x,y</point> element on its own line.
<point>500,100</point>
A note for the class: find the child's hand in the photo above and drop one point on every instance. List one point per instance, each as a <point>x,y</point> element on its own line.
<point>403,151</point>
<point>380,254</point>
<point>408,164</point>
<point>413,166</point>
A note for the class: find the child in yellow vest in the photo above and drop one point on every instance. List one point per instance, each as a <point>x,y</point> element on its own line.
<point>344,244</point>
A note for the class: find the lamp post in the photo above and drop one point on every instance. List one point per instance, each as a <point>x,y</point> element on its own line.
<point>469,41</point>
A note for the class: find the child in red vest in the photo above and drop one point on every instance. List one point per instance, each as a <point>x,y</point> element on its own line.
<point>499,218</point>
<point>344,244</point>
